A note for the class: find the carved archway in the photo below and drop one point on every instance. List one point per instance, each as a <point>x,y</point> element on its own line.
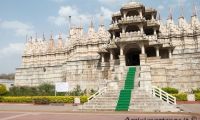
<point>132,53</point>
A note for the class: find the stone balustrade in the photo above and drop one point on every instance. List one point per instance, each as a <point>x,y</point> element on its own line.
<point>135,5</point>
<point>131,34</point>
<point>113,26</point>
<point>165,40</point>
<point>150,10</point>
<point>116,14</point>
<point>131,19</point>
<point>151,37</point>
<point>152,23</point>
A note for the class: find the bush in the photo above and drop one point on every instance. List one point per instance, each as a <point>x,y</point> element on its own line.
<point>22,99</point>
<point>3,90</point>
<point>180,97</point>
<point>1,98</point>
<point>170,90</point>
<point>50,99</point>
<point>45,89</point>
<point>196,91</point>
<point>41,100</point>
<point>197,96</point>
<point>77,91</point>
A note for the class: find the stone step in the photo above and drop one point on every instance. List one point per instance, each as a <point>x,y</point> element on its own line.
<point>101,103</point>
<point>97,109</point>
<point>105,98</point>
<point>98,106</point>
<point>144,110</point>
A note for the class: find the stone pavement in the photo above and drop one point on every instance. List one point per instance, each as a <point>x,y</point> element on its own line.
<point>48,112</point>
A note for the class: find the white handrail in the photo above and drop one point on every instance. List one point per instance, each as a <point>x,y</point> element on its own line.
<point>163,95</point>
<point>99,92</point>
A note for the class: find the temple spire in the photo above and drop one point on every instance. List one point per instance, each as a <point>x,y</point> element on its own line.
<point>159,17</point>
<point>101,19</point>
<point>92,22</point>
<point>195,10</point>
<point>182,15</point>
<point>69,24</point>
<point>170,10</point>
<point>80,23</point>
<point>31,40</point>
<point>51,35</point>
<point>36,37</point>
<point>43,36</point>
<point>60,34</point>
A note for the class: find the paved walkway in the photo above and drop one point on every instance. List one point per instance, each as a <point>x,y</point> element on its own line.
<point>48,112</point>
<point>40,108</point>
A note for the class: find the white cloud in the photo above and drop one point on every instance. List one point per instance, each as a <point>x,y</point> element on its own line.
<point>59,0</point>
<point>13,48</point>
<point>106,13</point>
<point>65,12</point>
<point>114,2</point>
<point>21,29</point>
<point>180,2</point>
<point>160,7</point>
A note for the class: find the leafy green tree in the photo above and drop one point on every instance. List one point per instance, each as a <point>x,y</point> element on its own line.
<point>46,89</point>
<point>3,90</point>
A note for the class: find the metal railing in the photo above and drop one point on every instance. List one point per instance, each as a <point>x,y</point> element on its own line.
<point>99,92</point>
<point>163,95</point>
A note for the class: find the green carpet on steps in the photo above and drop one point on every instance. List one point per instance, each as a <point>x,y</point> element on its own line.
<point>125,94</point>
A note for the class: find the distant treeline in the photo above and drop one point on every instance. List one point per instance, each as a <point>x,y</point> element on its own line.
<point>10,76</point>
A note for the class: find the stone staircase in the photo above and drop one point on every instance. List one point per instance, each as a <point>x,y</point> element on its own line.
<point>136,82</point>
<point>141,100</point>
<point>104,102</point>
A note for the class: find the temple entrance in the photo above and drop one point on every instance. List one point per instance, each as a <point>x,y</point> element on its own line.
<point>133,57</point>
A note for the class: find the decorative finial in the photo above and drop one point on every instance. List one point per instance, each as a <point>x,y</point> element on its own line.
<point>195,10</point>
<point>31,39</point>
<point>91,21</point>
<point>51,35</point>
<point>35,36</point>
<point>182,7</point>
<point>159,17</point>
<point>170,10</point>
<point>69,22</point>
<point>60,34</point>
<point>80,23</point>
<point>43,36</point>
<point>101,19</point>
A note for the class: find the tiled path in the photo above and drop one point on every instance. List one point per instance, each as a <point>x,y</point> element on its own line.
<point>48,112</point>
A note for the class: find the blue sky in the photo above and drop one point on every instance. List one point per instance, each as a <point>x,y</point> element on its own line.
<point>21,17</point>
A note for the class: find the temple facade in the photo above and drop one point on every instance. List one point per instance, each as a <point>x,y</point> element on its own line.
<point>166,55</point>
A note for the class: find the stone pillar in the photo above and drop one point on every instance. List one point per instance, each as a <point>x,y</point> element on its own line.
<point>113,34</point>
<point>141,28</point>
<point>116,20</point>
<point>157,51</point>
<point>141,44</point>
<point>152,16</point>
<point>111,54</point>
<point>154,30</point>
<point>170,53</point>
<point>125,12</point>
<point>124,29</point>
<point>102,57</point>
<point>140,13</point>
<point>122,57</point>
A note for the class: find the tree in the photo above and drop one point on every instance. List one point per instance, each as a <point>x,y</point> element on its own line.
<point>3,90</point>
